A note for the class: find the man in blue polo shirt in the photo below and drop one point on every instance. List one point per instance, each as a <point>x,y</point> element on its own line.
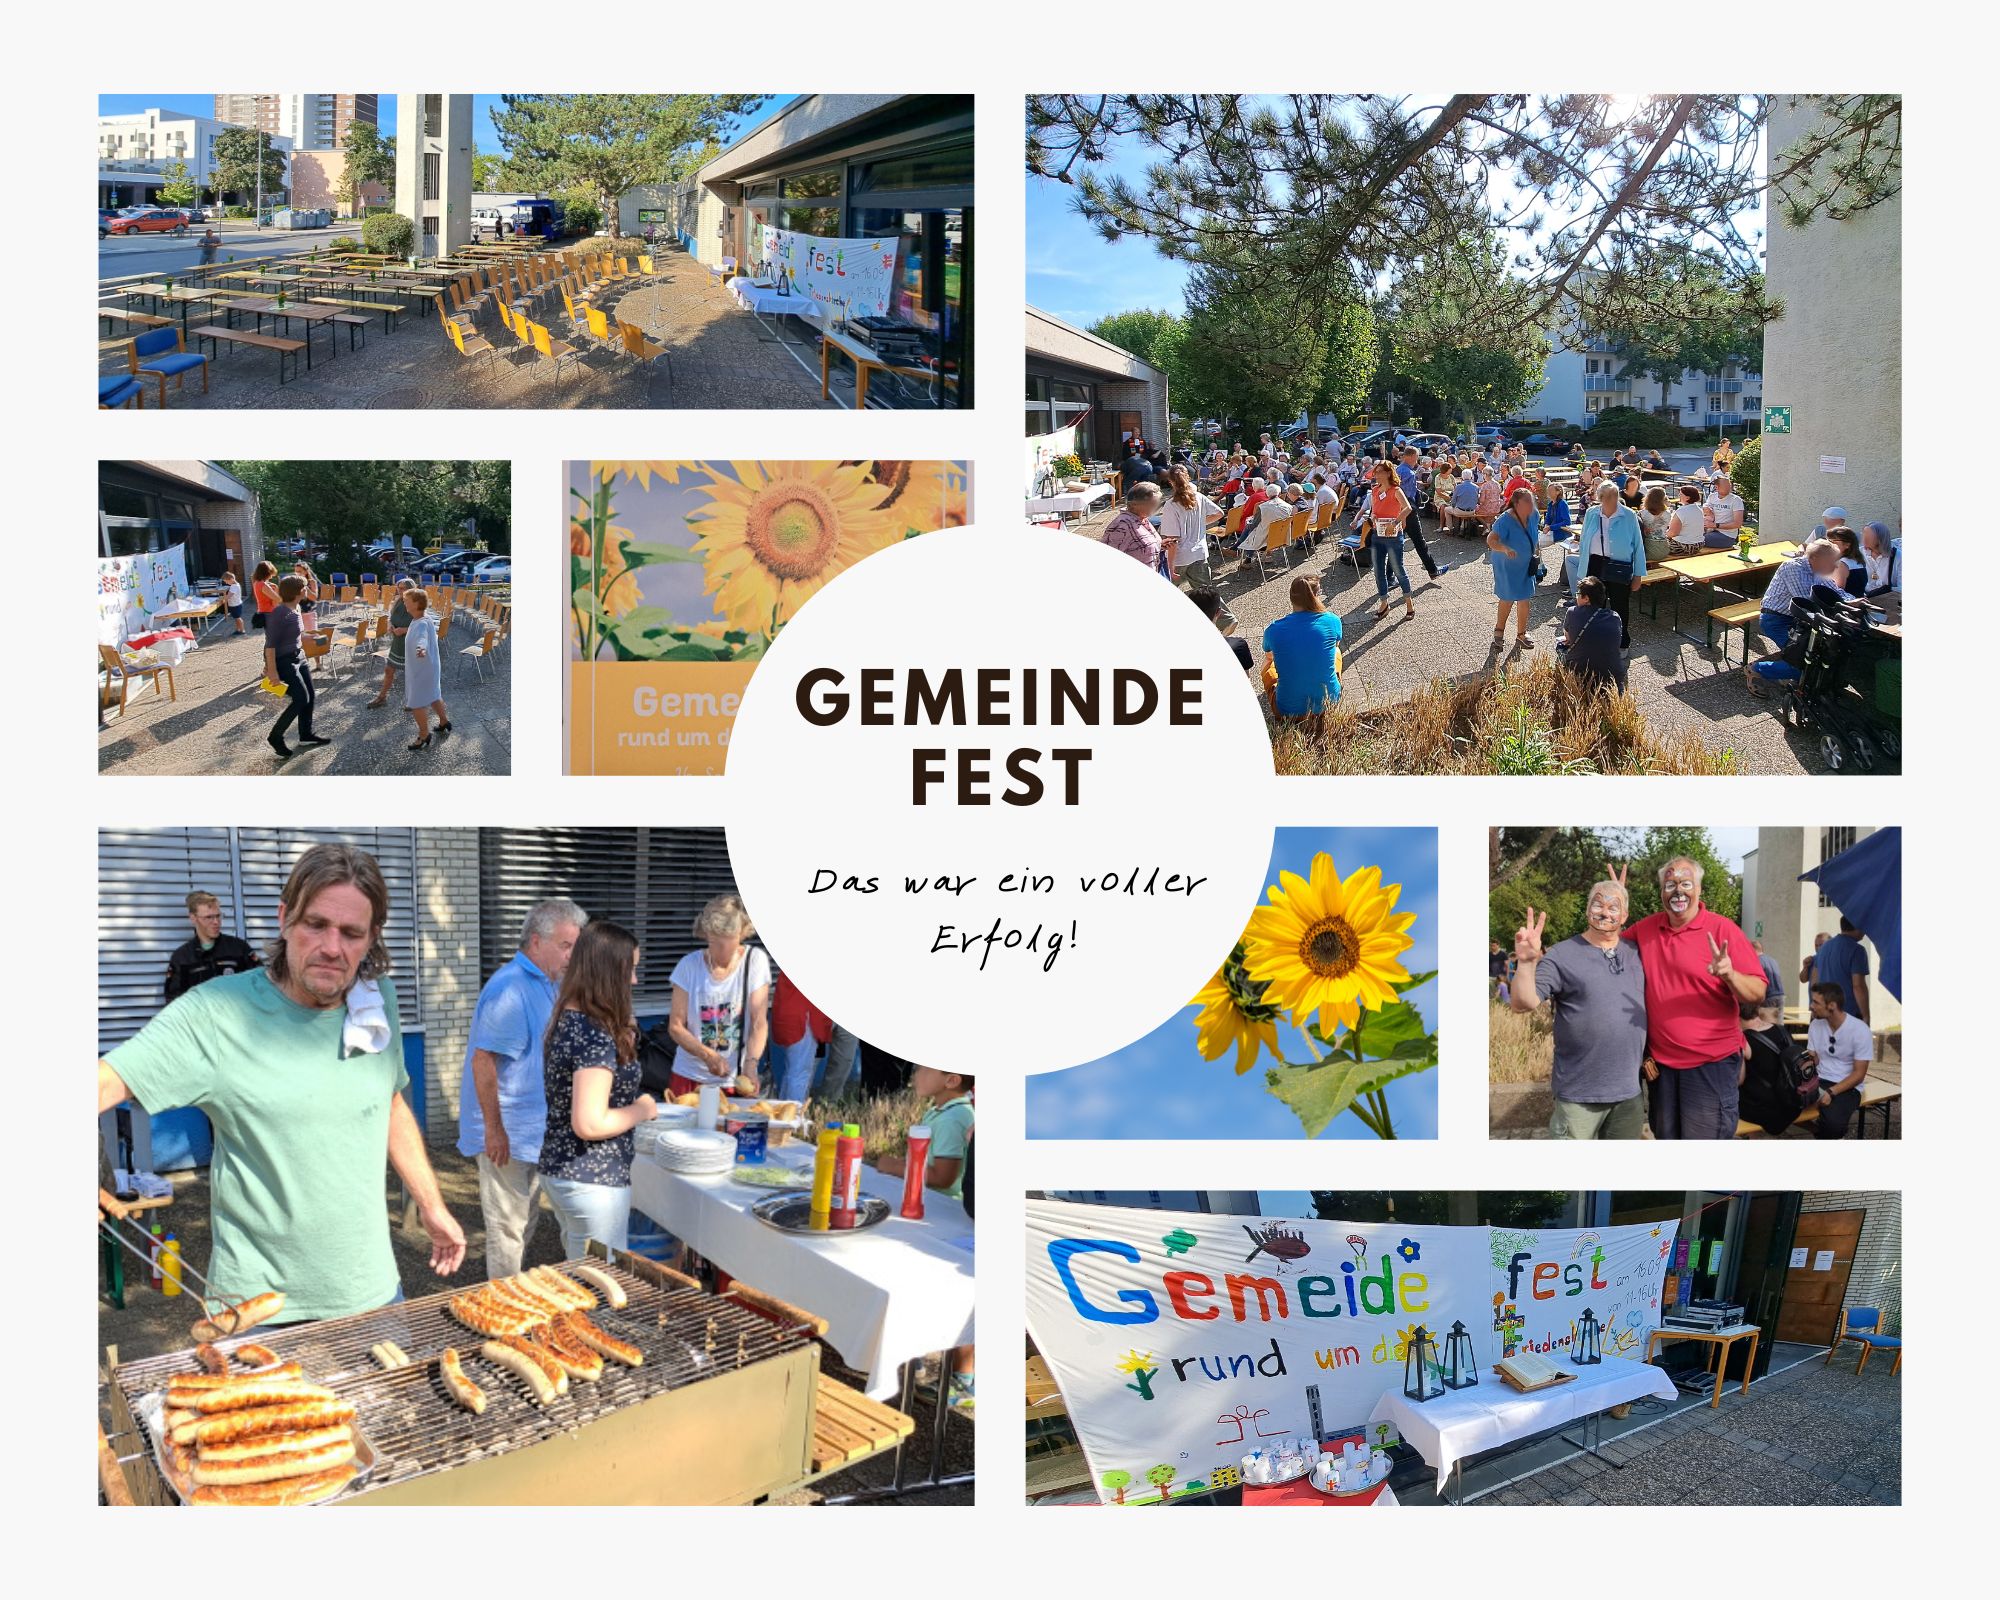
<point>502,1104</point>
<point>1843,959</point>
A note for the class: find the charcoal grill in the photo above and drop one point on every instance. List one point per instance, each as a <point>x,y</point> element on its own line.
<point>721,1413</point>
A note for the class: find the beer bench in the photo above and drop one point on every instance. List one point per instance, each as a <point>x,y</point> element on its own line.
<point>1876,1095</point>
<point>1741,614</point>
<point>286,348</point>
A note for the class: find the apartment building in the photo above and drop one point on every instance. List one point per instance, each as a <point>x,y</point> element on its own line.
<point>310,121</point>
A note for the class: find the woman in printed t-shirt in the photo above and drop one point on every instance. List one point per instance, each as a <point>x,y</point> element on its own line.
<point>590,1073</point>
<point>721,1008</point>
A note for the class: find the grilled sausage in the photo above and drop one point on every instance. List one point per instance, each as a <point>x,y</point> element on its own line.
<point>264,1419</point>
<point>256,1355</point>
<point>285,1492</point>
<point>582,1328</point>
<point>276,1443</point>
<point>213,1360</point>
<point>602,1281</point>
<point>239,1318</point>
<point>389,1355</point>
<point>174,1418</point>
<point>552,1369</point>
<point>198,1382</point>
<point>458,1385</point>
<point>244,1396</point>
<point>525,1301</point>
<point>484,1318</point>
<point>526,1368</point>
<point>577,1358</point>
<point>542,1292</point>
<point>561,1286</point>
<point>277,1464</point>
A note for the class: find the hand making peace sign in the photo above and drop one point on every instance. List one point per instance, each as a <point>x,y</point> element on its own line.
<point>1718,960</point>
<point>1528,938</point>
<point>1616,872</point>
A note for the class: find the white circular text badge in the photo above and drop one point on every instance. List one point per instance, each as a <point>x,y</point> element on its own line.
<point>995,802</point>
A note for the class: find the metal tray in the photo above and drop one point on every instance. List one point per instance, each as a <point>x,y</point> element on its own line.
<point>152,1411</point>
<point>1352,1494</point>
<point>792,1213</point>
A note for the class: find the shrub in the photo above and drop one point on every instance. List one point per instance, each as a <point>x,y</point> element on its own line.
<point>1623,425</point>
<point>389,233</point>
<point>581,212</point>
<point>1746,471</point>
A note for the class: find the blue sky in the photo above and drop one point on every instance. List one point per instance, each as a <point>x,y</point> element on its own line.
<point>1160,1088</point>
<point>203,105</point>
<point>1075,274</point>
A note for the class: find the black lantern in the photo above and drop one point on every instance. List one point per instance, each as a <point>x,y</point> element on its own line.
<point>1461,1371</point>
<point>1420,1368</point>
<point>1589,1349</point>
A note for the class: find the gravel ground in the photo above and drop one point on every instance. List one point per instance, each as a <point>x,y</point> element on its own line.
<point>1679,684</point>
<point>219,720</point>
<point>152,1324</point>
<point>718,357</point>
<point>1815,1435</point>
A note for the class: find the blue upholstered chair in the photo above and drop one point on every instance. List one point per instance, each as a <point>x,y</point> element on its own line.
<point>119,389</point>
<point>163,353</point>
<point>1863,1325</point>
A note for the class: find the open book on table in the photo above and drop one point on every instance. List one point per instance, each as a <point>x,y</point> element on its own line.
<point>1530,1371</point>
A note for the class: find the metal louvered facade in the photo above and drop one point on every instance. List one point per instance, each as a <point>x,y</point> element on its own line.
<point>144,875</point>
<point>652,880</point>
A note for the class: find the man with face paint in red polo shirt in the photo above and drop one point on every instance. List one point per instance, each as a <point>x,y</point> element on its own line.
<point>1700,969</point>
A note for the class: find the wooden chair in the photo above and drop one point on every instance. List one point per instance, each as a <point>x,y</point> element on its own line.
<point>553,352</point>
<point>469,344</point>
<point>117,668</point>
<point>1863,1325</point>
<point>317,648</point>
<point>600,326</point>
<point>642,350</point>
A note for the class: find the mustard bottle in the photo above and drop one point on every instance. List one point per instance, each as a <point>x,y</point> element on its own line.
<point>170,1265</point>
<point>822,1189</point>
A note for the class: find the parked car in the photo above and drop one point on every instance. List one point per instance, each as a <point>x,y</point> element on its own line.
<point>194,214</point>
<point>150,220</point>
<point>494,569</point>
<point>1545,444</point>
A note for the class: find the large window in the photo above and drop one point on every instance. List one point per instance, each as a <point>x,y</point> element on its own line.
<point>931,281</point>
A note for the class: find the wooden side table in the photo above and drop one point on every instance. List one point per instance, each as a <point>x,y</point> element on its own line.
<point>1721,1339</point>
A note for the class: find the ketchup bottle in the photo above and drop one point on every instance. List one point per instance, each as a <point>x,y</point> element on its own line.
<point>846,1210</point>
<point>916,1160</point>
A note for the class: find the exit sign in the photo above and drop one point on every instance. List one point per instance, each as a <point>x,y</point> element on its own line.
<point>1777,419</point>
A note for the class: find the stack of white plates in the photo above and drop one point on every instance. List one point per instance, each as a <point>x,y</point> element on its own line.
<point>694,1150</point>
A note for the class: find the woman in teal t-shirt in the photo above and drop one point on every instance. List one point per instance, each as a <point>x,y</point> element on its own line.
<point>1303,649</point>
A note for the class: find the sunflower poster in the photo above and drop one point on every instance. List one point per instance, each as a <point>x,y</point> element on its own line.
<point>1183,1341</point>
<point>1320,1022</point>
<point>680,574</point>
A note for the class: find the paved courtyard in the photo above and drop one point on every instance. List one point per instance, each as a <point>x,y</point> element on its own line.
<point>719,356</point>
<point>218,723</point>
<point>1680,685</point>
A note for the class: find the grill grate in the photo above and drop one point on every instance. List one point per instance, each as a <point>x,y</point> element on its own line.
<point>414,1426</point>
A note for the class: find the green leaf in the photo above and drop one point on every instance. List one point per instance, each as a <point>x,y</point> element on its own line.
<point>1381,1031</point>
<point>1318,1094</point>
<point>1414,981</point>
<point>657,555</point>
<point>587,603</point>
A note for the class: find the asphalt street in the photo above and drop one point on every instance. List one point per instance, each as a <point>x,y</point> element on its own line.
<point>126,254</point>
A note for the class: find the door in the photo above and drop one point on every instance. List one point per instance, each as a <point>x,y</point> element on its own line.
<point>1810,1310</point>
<point>1770,1223</point>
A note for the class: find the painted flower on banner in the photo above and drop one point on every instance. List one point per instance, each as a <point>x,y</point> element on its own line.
<point>775,537</point>
<point>1404,1338</point>
<point>1409,1250</point>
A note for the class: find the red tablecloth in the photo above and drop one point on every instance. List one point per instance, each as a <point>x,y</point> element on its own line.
<point>142,641</point>
<point>1300,1492</point>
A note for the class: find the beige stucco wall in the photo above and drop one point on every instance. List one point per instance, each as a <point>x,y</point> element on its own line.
<point>1835,357</point>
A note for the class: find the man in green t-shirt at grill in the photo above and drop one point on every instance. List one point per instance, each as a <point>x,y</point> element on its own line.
<point>299,1066</point>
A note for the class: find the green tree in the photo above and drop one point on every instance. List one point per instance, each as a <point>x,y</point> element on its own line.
<point>1242,355</point>
<point>1348,370</point>
<point>179,189</point>
<point>581,212</point>
<point>608,143</point>
<point>1698,323</point>
<point>238,154</point>
<point>343,505</point>
<point>487,172</point>
<point>370,158</point>
<point>1137,331</point>
<point>1552,870</point>
<point>388,233</point>
<point>1593,194</point>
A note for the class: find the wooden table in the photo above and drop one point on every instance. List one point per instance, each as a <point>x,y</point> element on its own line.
<point>193,609</point>
<point>1721,1339</point>
<point>865,361</point>
<point>304,311</point>
<point>1713,568</point>
<point>183,297</point>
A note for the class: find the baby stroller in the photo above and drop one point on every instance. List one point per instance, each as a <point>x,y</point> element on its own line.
<point>1832,647</point>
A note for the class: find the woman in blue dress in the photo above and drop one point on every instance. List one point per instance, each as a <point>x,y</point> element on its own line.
<point>1512,541</point>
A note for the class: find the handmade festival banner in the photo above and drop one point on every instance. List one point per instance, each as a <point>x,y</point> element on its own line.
<point>858,275</point>
<point>1184,1341</point>
<point>131,588</point>
<point>1044,450</point>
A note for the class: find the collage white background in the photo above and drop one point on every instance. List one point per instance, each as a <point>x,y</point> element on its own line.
<point>63,59</point>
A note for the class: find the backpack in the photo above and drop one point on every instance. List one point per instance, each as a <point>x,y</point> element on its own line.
<point>1465,497</point>
<point>656,1061</point>
<point>1777,1083</point>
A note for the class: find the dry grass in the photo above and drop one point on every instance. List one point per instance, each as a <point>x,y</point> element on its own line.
<point>1533,721</point>
<point>1520,1048</point>
<point>883,1119</point>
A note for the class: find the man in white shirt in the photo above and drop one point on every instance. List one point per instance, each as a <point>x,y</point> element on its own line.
<point>1278,509</point>
<point>1839,1048</point>
<point>1722,513</point>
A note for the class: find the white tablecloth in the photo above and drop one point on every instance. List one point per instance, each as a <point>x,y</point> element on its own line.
<point>1463,1422</point>
<point>1081,501</point>
<point>764,300</point>
<point>890,1295</point>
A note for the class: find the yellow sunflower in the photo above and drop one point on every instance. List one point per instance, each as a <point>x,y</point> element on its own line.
<point>938,497</point>
<point>618,589</point>
<point>644,471</point>
<point>1233,1012</point>
<point>773,538</point>
<point>1329,947</point>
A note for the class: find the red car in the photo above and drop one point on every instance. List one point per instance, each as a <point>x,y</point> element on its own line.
<point>154,221</point>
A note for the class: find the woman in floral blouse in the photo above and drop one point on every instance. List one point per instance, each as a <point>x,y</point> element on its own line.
<point>591,1072</point>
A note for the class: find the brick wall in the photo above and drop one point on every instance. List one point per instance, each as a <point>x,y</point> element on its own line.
<point>1877,1278</point>
<point>448,953</point>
